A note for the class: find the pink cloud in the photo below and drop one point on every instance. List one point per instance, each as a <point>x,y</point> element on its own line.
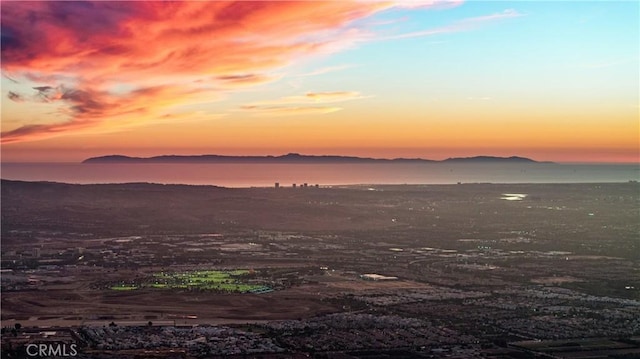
<point>165,52</point>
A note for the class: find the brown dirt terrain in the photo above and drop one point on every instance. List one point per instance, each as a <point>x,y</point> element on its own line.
<point>61,306</point>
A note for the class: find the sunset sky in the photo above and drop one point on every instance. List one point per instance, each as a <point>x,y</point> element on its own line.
<point>553,81</point>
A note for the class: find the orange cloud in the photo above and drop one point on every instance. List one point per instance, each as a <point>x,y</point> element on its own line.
<point>243,80</point>
<point>92,111</point>
<point>290,110</point>
<point>162,53</point>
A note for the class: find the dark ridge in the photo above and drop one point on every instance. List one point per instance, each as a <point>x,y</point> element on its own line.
<point>292,158</point>
<point>131,185</point>
<point>483,159</point>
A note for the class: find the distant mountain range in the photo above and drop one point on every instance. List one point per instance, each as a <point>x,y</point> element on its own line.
<point>297,158</point>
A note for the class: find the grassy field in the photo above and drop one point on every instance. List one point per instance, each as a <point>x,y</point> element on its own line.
<point>124,287</point>
<point>225,281</point>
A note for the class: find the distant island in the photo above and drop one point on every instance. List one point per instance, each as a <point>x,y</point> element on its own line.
<point>293,158</point>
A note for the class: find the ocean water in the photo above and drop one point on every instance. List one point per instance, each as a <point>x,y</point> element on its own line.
<point>265,175</point>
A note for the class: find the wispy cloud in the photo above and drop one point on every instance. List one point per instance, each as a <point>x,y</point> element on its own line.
<point>15,97</point>
<point>430,4</point>
<point>40,131</point>
<point>325,70</point>
<point>332,96</point>
<point>460,26</point>
<point>6,76</point>
<point>289,110</point>
<point>301,104</point>
<point>90,111</point>
<point>243,80</point>
<point>315,97</point>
